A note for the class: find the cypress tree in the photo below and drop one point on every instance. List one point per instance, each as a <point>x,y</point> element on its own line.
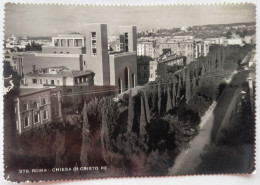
<point>193,85</point>
<point>188,86</point>
<point>173,93</point>
<point>147,110</point>
<point>193,81</point>
<point>203,70</point>
<point>159,97</point>
<point>179,89</point>
<point>130,118</point>
<point>154,92</point>
<point>104,133</point>
<point>87,145</point>
<point>142,125</point>
<point>223,57</point>
<point>168,106</point>
<point>60,149</point>
<point>207,64</point>
<point>183,77</point>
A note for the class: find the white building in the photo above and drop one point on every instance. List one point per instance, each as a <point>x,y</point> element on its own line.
<point>235,41</point>
<point>146,49</point>
<point>201,49</point>
<point>153,69</point>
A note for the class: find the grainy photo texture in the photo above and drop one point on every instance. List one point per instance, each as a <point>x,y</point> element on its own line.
<point>128,91</point>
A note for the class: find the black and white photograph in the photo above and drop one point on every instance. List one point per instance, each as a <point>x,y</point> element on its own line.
<point>128,91</point>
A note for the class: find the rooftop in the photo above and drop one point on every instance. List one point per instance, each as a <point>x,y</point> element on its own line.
<point>69,34</point>
<point>28,91</point>
<point>61,72</point>
<point>121,53</point>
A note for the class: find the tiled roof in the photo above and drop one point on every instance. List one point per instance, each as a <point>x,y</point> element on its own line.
<point>81,73</point>
<point>58,75</point>
<point>64,72</point>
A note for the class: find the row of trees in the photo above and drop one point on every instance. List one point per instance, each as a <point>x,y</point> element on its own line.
<point>154,125</point>
<point>33,46</point>
<point>233,151</point>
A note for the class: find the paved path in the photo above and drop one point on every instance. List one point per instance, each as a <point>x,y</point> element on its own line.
<point>189,159</point>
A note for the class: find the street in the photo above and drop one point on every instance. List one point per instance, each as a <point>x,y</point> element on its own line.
<point>187,161</point>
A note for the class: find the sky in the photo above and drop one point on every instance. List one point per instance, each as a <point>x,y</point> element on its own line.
<point>49,20</point>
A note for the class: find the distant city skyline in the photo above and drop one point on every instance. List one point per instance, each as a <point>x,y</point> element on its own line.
<point>49,20</point>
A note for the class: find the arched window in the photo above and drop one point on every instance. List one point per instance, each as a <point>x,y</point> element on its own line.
<point>126,78</point>
<point>35,104</point>
<point>133,80</point>
<point>119,85</point>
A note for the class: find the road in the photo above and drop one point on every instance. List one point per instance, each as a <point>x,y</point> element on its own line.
<point>189,159</point>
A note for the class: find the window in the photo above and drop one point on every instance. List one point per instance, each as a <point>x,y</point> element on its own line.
<point>25,106</point>
<point>63,43</point>
<point>94,51</point>
<point>54,51</point>
<point>52,82</point>
<point>61,52</point>
<point>70,42</point>
<point>26,122</point>
<point>91,82</point>
<point>78,43</point>
<point>56,42</point>
<point>43,101</point>
<point>87,81</point>
<point>34,81</point>
<point>84,62</point>
<point>94,43</point>
<point>35,105</point>
<point>93,35</point>
<point>45,114</point>
<point>68,52</point>
<point>40,81</point>
<point>46,81</point>
<point>36,117</point>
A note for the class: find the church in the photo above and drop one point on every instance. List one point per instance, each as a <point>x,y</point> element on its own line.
<point>89,51</point>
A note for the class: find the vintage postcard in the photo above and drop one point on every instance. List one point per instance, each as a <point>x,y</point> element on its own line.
<point>128,91</point>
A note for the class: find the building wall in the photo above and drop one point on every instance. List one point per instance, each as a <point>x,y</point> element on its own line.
<point>143,73</point>
<point>74,96</point>
<point>25,110</point>
<point>98,63</point>
<point>132,36</point>
<point>181,48</point>
<point>145,49</point>
<point>64,50</point>
<point>19,65</point>
<point>15,60</point>
<point>71,61</point>
<point>175,61</point>
<point>43,80</point>
<point>153,69</point>
<point>118,64</point>
<point>237,41</point>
